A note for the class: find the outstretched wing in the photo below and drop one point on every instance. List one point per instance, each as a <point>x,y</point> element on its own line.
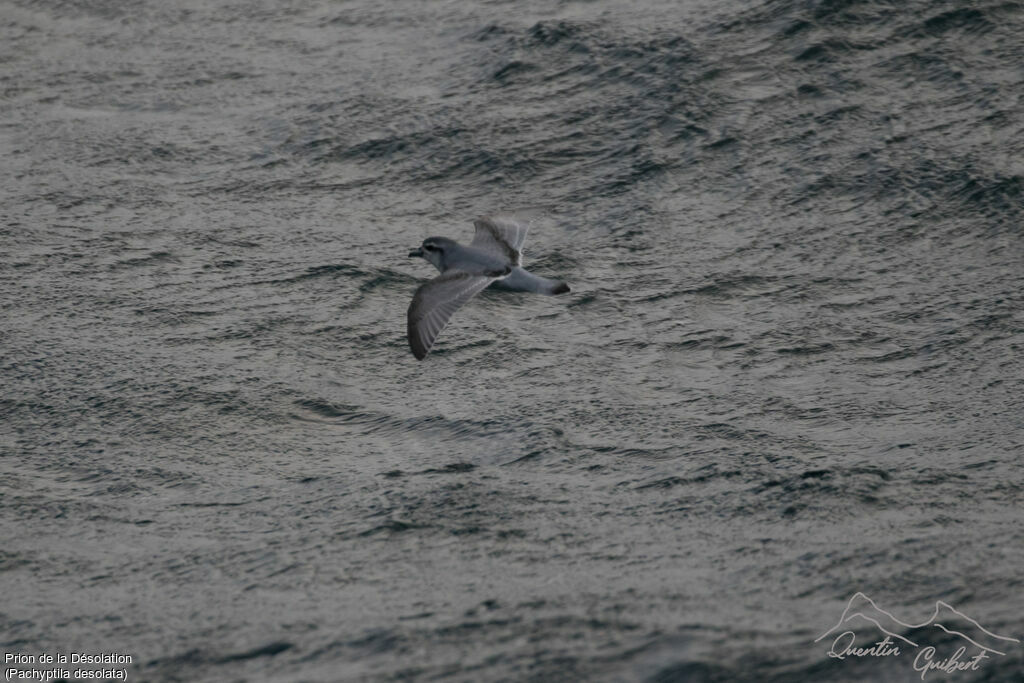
<point>435,302</point>
<point>503,235</point>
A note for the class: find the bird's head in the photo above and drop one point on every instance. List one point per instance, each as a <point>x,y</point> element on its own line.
<point>436,250</point>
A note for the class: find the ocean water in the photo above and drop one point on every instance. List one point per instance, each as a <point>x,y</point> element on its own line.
<point>789,369</point>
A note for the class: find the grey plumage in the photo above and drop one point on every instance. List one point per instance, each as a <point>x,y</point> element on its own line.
<point>493,258</point>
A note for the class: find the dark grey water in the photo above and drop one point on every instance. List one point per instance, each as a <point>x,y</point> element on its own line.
<point>789,370</point>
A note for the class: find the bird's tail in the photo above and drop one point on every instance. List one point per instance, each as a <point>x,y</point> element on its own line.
<point>524,281</point>
<point>543,285</point>
<point>557,287</point>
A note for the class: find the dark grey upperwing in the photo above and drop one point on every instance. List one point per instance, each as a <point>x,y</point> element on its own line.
<point>434,303</point>
<point>503,235</point>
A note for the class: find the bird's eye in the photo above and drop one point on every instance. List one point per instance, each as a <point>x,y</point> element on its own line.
<point>429,247</point>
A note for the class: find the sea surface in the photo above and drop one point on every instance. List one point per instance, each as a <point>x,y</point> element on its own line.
<point>789,370</point>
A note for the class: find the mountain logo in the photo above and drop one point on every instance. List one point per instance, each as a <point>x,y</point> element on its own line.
<point>946,624</point>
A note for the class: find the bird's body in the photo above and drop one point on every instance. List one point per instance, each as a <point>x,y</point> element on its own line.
<point>493,259</point>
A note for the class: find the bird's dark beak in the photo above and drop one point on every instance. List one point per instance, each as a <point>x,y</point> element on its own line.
<point>416,252</point>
